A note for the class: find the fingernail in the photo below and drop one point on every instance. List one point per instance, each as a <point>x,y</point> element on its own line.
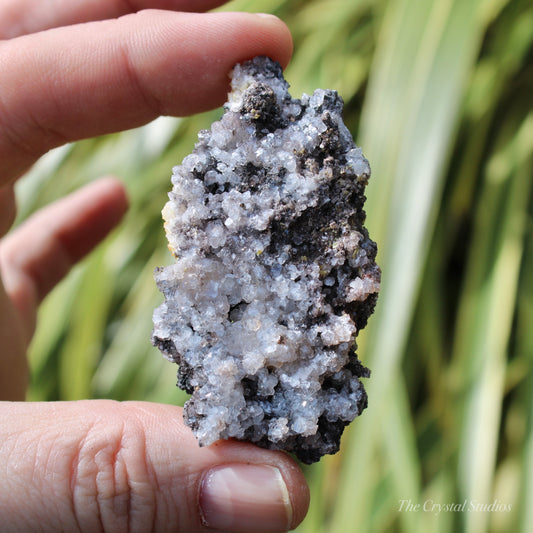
<point>244,498</point>
<point>267,15</point>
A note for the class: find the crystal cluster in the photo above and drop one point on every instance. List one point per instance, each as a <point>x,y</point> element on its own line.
<point>275,273</point>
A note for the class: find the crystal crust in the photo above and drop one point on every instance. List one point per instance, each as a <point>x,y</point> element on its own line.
<point>275,273</point>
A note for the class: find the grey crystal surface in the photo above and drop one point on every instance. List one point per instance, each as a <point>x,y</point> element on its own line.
<point>275,273</point>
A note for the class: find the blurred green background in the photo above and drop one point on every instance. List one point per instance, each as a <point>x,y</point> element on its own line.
<point>439,94</point>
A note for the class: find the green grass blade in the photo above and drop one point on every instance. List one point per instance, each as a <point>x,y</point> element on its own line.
<point>526,348</point>
<point>407,126</point>
<point>487,313</point>
<point>86,327</point>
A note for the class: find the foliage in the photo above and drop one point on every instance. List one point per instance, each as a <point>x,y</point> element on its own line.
<point>439,95</point>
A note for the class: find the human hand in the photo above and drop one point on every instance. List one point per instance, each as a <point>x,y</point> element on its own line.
<point>102,465</point>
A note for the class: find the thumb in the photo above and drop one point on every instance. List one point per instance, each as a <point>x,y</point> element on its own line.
<point>105,466</point>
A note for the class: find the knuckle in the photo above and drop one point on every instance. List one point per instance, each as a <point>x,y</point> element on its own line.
<point>138,84</point>
<point>110,482</point>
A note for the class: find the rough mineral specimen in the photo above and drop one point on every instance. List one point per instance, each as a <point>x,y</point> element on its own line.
<point>275,273</point>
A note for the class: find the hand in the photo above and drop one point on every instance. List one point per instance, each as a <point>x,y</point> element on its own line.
<point>102,465</point>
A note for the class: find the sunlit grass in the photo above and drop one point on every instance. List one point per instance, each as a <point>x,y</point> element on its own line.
<point>439,95</point>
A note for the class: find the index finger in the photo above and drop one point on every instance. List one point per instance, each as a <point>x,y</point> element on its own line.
<point>81,81</point>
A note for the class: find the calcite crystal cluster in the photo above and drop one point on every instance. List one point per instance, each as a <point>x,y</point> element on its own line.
<point>275,273</point>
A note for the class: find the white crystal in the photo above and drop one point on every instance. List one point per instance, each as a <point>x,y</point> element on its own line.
<point>270,251</point>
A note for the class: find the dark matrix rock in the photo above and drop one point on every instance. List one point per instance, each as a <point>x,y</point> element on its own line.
<point>275,272</point>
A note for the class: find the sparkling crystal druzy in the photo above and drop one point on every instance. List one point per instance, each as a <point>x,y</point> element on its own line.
<point>275,273</point>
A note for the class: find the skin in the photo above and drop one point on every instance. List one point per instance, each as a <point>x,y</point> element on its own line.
<point>72,70</point>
